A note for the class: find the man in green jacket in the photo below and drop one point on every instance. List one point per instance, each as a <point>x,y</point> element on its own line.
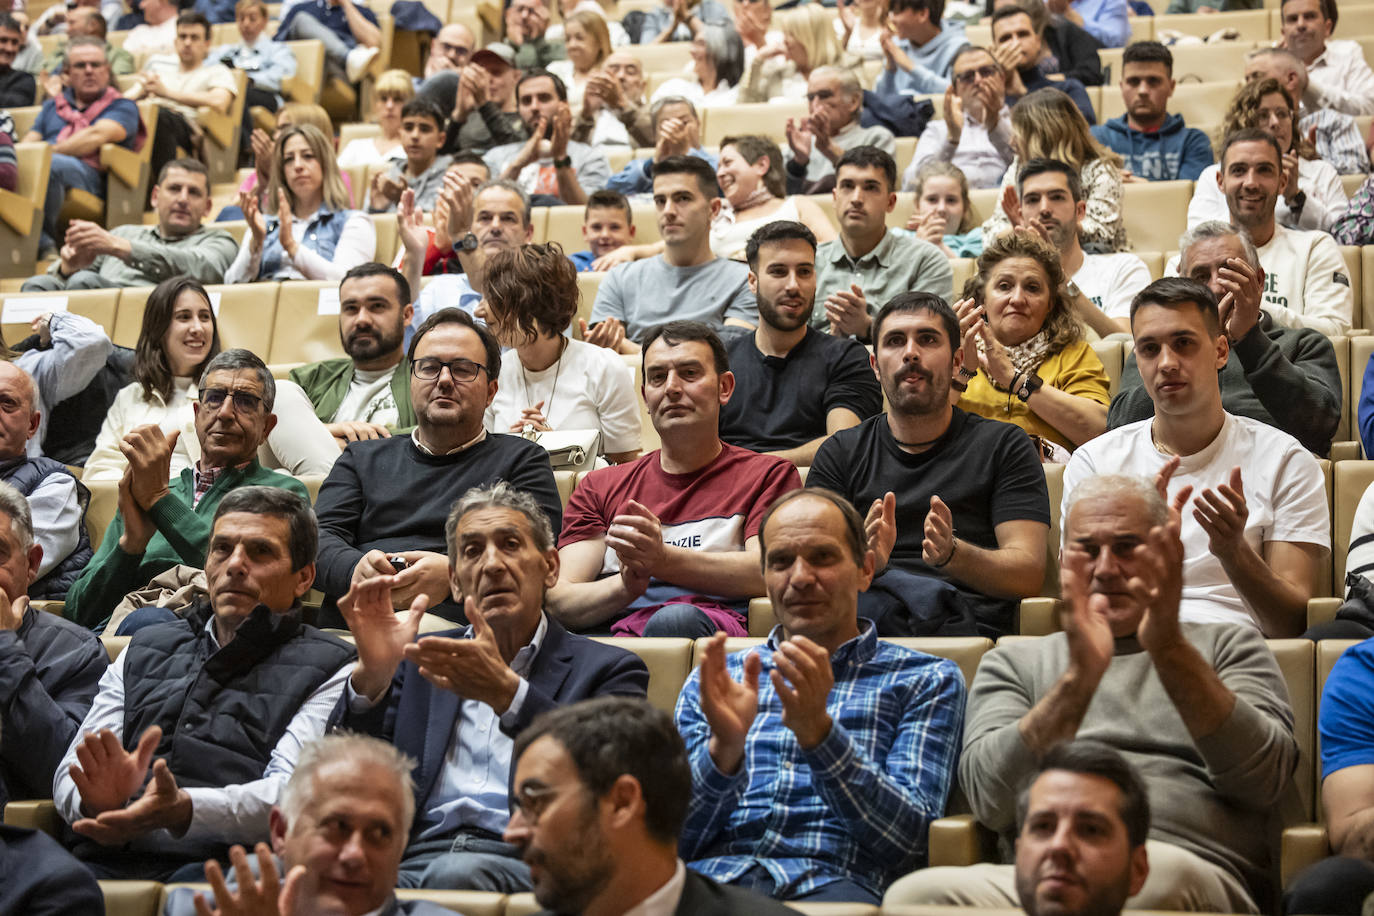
<point>365,395</point>
<point>161,524</point>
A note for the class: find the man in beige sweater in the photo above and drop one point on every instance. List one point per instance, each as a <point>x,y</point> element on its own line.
<point>1200,709</point>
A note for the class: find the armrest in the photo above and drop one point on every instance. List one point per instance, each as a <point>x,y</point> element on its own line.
<point>122,163</point>
<point>35,814</point>
<point>297,89</point>
<point>219,126</point>
<point>17,211</point>
<point>960,840</point>
<point>1322,610</point>
<point>1302,845</point>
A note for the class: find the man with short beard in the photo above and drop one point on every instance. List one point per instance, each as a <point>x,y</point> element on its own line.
<point>976,483</point>
<point>366,394</point>
<point>794,385</point>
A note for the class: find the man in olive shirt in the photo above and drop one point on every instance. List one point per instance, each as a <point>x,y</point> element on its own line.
<point>869,264</point>
<point>794,385</point>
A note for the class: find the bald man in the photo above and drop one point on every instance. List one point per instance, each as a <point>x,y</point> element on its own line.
<point>56,499</point>
<point>450,49</point>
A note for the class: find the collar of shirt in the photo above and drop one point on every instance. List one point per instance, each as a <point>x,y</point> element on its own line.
<point>415,437</point>
<point>856,651</point>
<point>879,257</point>
<point>206,479</point>
<point>525,657</point>
<point>665,900</point>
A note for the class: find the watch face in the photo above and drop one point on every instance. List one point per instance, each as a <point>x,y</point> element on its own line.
<point>468,242</point>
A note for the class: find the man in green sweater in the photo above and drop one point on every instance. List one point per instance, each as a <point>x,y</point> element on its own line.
<point>366,394</point>
<point>160,523</point>
<point>1200,710</point>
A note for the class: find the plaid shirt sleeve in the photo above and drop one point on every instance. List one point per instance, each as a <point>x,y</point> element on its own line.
<point>714,794</point>
<point>889,808</point>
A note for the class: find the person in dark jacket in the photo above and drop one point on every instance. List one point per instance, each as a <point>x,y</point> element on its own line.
<point>40,878</point>
<point>1156,145</point>
<point>225,698</point>
<point>49,669</point>
<point>600,793</point>
<point>1285,377</point>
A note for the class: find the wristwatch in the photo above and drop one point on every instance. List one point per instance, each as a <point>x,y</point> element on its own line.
<point>466,243</point>
<point>564,163</point>
<point>1030,384</point>
<point>1072,289</point>
<point>1296,203</point>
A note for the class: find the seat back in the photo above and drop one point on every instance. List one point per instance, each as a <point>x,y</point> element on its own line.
<point>1354,267</point>
<point>115,645</point>
<point>767,119</point>
<point>565,227</point>
<point>1253,25</point>
<point>1156,212</point>
<point>19,309</point>
<point>1113,357</point>
<point>668,661</point>
<point>306,326</point>
<point>1342,347</point>
<point>1296,658</point>
<point>131,898</point>
<point>244,315</point>
<point>1351,479</point>
<point>1054,483</point>
<point>309,79</point>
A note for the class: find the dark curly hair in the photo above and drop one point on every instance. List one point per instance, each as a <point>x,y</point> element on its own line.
<point>532,289</point>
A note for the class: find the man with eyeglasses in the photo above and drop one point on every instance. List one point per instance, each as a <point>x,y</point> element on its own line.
<point>383,507</point>
<point>831,128</point>
<point>975,133</point>
<point>162,523</point>
<point>456,700</point>
<point>449,50</point>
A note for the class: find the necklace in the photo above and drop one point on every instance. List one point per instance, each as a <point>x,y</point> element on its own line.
<point>557,370</point>
<point>1154,440</point>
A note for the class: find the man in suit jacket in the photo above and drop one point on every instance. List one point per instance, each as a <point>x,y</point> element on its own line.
<point>600,792</point>
<point>455,701</point>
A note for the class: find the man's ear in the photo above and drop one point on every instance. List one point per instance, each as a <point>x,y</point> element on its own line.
<point>715,207</point>
<point>267,428</point>
<point>1140,868</point>
<point>35,417</point>
<point>276,828</point>
<point>305,577</point>
<point>727,386</point>
<point>35,558</point>
<point>624,801</point>
<point>553,561</point>
<point>753,288</point>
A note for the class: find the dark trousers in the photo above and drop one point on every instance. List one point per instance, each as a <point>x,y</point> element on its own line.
<point>1333,886</point>
<point>260,98</point>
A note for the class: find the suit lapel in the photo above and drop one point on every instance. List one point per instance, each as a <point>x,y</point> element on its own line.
<point>553,664</point>
<point>422,702</point>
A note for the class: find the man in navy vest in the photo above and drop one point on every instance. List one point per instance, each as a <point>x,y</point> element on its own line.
<point>456,700</point>
<point>224,698</point>
<point>49,667</point>
<point>57,500</point>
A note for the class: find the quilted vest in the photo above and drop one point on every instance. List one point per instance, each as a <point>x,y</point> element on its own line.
<point>25,475</point>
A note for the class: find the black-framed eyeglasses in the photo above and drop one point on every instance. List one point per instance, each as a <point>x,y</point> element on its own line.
<point>244,402</point>
<point>531,802</point>
<point>820,95</point>
<point>978,73</point>
<point>462,370</point>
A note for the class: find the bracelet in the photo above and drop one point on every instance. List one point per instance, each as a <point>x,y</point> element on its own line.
<point>1015,382</point>
<point>953,544</point>
<point>966,372</point>
<point>564,163</point>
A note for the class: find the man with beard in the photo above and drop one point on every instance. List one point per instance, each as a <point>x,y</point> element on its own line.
<point>550,164</point>
<point>366,394</point>
<point>869,263</point>
<point>16,86</point>
<point>1305,280</point>
<point>161,524</point>
<point>1050,202</point>
<point>794,385</point>
<point>976,483</point>
<point>598,797</point>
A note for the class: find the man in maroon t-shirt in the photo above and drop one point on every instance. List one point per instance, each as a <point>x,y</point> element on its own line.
<point>668,545</point>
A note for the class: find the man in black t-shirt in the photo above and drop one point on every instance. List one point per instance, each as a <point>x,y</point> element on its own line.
<point>958,506</point>
<point>794,386</point>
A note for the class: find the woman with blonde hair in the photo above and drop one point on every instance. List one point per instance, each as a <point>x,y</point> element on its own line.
<point>312,234</point>
<point>393,89</point>
<point>1046,124</point>
<point>1311,196</point>
<point>943,215</point>
<point>1025,360</point>
<point>808,42</point>
<point>289,115</point>
<point>587,41</point>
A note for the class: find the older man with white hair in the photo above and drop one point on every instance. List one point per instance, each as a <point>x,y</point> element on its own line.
<point>835,100</point>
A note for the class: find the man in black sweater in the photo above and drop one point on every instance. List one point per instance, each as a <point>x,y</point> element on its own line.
<point>1285,377</point>
<point>388,499</point>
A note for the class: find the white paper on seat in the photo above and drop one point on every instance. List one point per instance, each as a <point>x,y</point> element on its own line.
<point>328,301</point>
<point>24,310</point>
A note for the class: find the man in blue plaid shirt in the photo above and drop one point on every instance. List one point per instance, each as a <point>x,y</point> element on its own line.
<point>819,782</point>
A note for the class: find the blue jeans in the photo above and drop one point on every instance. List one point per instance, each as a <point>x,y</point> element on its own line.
<point>305,27</point>
<point>464,862</point>
<point>758,879</point>
<point>144,617</point>
<point>67,172</point>
<point>680,620</point>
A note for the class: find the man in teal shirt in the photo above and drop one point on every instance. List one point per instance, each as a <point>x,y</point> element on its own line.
<point>161,524</point>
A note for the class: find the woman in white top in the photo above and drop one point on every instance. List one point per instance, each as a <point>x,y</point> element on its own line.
<point>716,68</point>
<point>179,336</point>
<point>588,44</point>
<point>394,88</point>
<point>549,381</point>
<point>1313,196</point>
<point>312,235</point>
<point>862,34</point>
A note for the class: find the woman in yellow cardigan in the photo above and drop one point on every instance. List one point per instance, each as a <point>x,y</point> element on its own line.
<point>1025,360</point>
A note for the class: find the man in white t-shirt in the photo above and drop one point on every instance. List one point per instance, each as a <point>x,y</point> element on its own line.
<point>1253,542</point>
<point>184,82</point>
<point>1102,285</point>
<point>1306,284</point>
<point>365,395</point>
<point>157,34</point>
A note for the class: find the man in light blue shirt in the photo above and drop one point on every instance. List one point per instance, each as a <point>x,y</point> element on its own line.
<point>456,700</point>
<point>1105,20</point>
<point>918,60</point>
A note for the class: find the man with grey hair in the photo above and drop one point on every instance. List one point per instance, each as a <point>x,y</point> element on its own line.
<point>1285,377</point>
<point>49,667</point>
<point>1201,711</point>
<point>677,132</point>
<point>224,698</point>
<point>162,522</point>
<point>336,837</point>
<point>815,143</point>
<point>1337,136</point>
<point>456,700</point>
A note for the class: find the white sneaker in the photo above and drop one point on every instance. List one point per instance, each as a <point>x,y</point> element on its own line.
<point>357,62</point>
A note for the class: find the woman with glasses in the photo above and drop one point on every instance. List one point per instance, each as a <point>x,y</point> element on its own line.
<point>554,382</point>
<point>1311,196</point>
<point>975,133</point>
<point>179,336</point>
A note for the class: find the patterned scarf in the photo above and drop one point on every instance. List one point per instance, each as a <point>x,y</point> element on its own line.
<point>80,119</point>
<point>1027,356</point>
